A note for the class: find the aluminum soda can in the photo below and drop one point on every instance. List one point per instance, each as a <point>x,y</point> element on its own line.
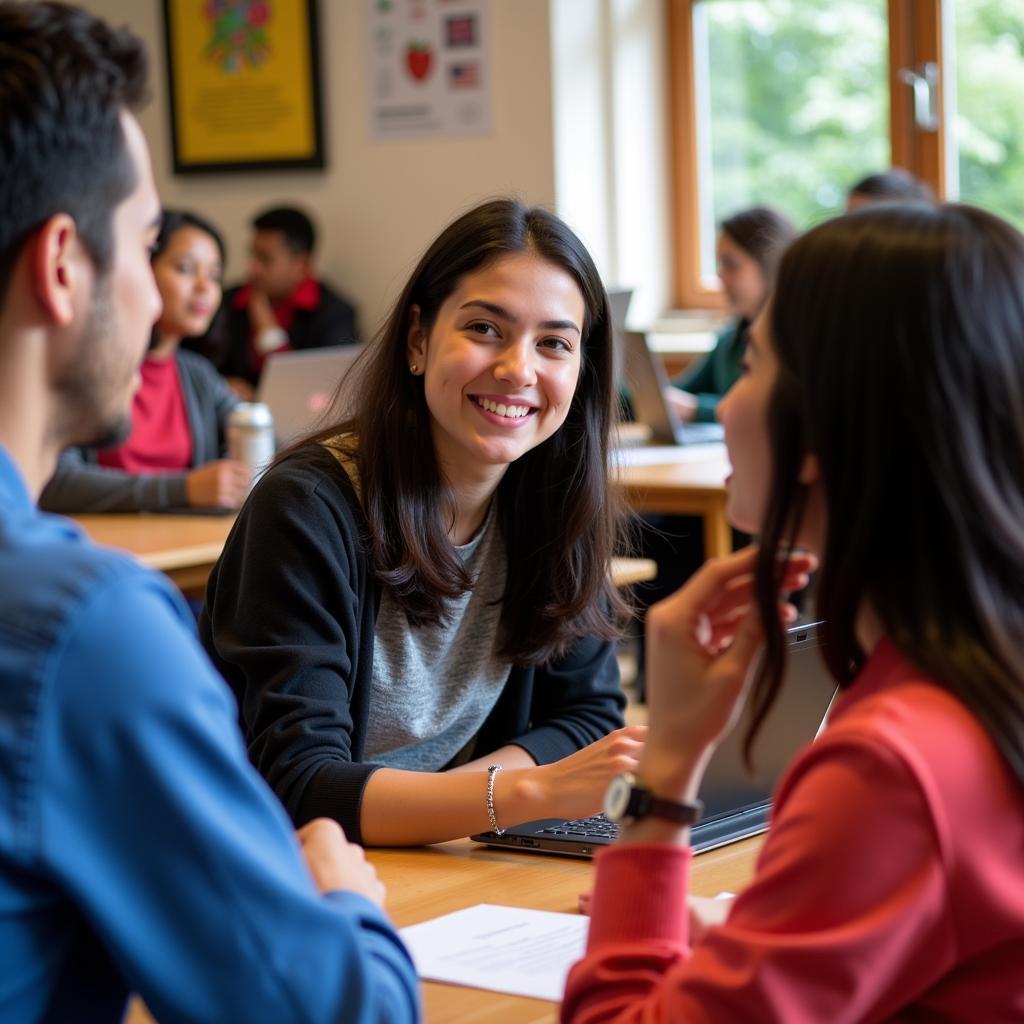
<point>251,436</point>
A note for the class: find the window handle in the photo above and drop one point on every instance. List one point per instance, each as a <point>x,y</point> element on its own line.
<point>924,80</point>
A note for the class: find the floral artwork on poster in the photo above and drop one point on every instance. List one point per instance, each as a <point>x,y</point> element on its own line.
<point>244,88</point>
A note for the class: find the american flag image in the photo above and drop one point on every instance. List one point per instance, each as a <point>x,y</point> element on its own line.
<point>463,76</point>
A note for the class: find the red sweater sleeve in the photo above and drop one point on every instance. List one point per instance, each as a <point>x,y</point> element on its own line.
<point>846,919</point>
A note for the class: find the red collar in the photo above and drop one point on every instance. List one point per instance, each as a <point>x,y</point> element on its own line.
<point>305,296</point>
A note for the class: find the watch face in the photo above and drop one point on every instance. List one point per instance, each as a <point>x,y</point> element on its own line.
<point>616,797</point>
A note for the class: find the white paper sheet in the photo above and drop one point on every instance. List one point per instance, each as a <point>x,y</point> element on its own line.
<point>504,949</point>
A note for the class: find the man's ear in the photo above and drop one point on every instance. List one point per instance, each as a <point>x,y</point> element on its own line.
<point>416,341</point>
<point>56,265</point>
<point>810,469</point>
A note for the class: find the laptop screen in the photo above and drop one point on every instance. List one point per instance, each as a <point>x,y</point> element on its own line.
<point>298,386</point>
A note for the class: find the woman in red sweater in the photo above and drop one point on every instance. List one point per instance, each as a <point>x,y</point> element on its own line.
<point>878,427</point>
<point>174,455</point>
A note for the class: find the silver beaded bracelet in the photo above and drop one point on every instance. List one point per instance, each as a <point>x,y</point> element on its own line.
<point>491,772</point>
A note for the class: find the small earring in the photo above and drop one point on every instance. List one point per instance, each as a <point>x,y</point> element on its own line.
<point>414,368</point>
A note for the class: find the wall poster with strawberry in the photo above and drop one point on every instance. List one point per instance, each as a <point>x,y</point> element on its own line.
<point>244,84</point>
<point>428,67</point>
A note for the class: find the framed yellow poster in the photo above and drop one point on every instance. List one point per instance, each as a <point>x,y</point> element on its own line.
<point>244,84</point>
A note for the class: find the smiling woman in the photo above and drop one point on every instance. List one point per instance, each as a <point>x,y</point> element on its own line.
<point>431,572</point>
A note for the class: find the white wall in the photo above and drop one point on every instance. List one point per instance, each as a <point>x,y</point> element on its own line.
<point>611,155</point>
<point>378,204</point>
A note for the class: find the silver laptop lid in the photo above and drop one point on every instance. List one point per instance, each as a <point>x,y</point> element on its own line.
<point>648,382</point>
<point>298,386</point>
<point>619,300</point>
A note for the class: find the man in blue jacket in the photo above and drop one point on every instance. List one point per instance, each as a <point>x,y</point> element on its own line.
<point>138,849</point>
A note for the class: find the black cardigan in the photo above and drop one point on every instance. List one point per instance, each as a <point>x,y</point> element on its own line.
<point>289,622</point>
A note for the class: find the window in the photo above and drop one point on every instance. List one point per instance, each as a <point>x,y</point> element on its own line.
<point>788,102</point>
<point>985,113</point>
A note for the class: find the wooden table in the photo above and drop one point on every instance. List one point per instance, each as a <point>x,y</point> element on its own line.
<point>687,481</point>
<point>424,883</point>
<point>183,546</point>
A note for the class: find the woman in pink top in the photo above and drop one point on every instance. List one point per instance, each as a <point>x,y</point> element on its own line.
<point>173,455</point>
<point>879,426</point>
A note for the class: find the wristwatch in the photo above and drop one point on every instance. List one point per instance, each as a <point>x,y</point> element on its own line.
<point>626,801</point>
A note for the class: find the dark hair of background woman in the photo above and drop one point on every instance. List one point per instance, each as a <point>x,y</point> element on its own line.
<point>763,233</point>
<point>174,220</point>
<point>913,402</point>
<point>561,520</point>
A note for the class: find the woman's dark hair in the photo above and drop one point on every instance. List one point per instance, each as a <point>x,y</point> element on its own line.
<point>559,517</point>
<point>900,338</point>
<point>173,221</point>
<point>763,233</point>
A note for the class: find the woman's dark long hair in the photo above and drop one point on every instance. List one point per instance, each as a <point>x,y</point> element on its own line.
<point>559,516</point>
<point>900,337</point>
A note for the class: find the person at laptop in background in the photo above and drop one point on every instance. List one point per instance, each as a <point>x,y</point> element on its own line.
<point>418,595</point>
<point>174,456</point>
<point>283,306</point>
<point>139,851</point>
<point>891,884</point>
<point>748,247</point>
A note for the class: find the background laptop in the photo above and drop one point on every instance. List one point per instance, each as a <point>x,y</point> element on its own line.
<point>298,386</point>
<point>648,380</point>
<point>619,300</point>
<point>735,806</point>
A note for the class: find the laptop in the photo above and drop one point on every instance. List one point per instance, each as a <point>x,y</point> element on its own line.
<point>735,805</point>
<point>298,386</point>
<point>618,301</point>
<point>647,381</point>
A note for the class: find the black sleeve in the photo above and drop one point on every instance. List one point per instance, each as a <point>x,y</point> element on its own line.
<point>560,707</point>
<point>333,323</point>
<point>288,616</point>
<point>80,485</point>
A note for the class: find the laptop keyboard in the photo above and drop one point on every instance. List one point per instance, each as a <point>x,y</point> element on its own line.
<point>595,827</point>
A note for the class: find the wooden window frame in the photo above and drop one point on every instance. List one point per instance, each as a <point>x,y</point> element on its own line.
<point>915,37</point>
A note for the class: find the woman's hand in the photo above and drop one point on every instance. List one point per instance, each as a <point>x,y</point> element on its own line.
<point>574,787</point>
<point>220,484</point>
<point>701,642</point>
<point>683,402</point>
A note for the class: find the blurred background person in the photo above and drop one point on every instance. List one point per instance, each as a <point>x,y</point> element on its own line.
<point>173,457</point>
<point>892,186</point>
<point>282,306</point>
<point>747,249</point>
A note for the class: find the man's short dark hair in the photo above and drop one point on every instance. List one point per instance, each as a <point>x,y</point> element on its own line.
<point>893,185</point>
<point>297,228</point>
<point>65,78</point>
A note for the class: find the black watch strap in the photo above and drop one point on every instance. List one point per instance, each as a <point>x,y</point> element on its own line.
<point>650,806</point>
